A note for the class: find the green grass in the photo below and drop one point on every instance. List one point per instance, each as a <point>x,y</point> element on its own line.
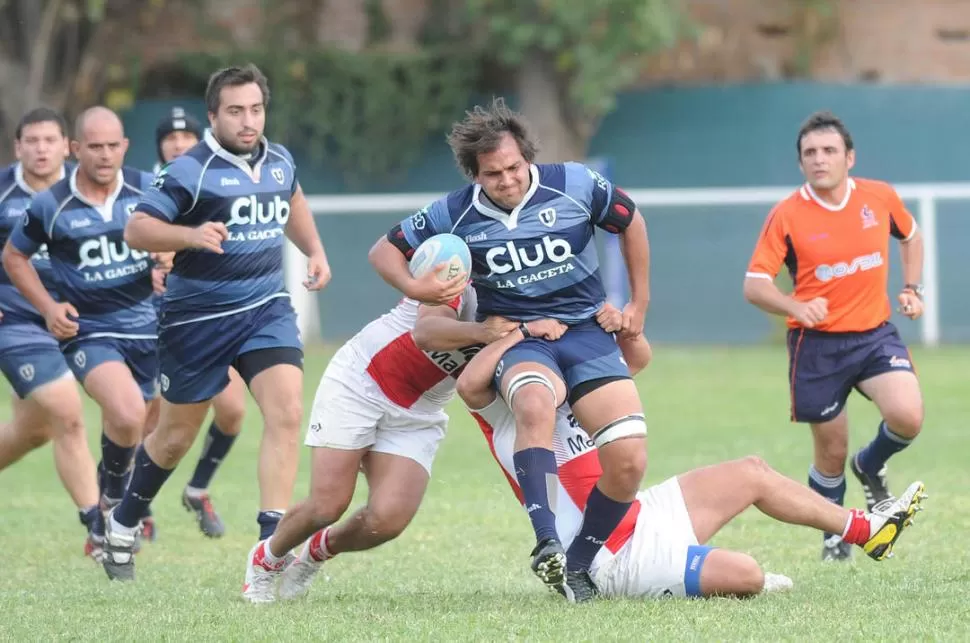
<point>460,572</point>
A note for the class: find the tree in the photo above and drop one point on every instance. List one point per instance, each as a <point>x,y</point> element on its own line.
<point>569,58</point>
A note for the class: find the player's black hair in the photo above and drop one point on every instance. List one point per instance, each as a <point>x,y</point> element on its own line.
<point>234,77</point>
<point>41,115</point>
<point>824,121</point>
<point>481,131</point>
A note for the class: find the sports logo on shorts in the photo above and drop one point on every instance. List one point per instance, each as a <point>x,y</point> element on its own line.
<point>548,216</point>
<point>26,372</point>
<point>277,173</point>
<point>165,383</point>
<point>80,358</point>
<point>899,362</point>
<point>499,368</point>
<point>868,218</point>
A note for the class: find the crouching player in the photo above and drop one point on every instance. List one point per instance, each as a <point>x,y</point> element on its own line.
<point>659,548</point>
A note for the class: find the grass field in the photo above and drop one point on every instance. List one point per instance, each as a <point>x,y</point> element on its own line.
<point>461,572</point>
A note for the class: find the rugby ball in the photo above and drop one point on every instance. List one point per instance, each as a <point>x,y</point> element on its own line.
<point>445,249</point>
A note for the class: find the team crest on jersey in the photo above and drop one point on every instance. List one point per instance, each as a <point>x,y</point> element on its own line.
<point>548,216</point>
<point>130,208</point>
<point>277,173</point>
<point>868,218</point>
<point>27,372</point>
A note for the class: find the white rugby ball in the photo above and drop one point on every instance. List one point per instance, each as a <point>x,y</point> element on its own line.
<point>446,249</point>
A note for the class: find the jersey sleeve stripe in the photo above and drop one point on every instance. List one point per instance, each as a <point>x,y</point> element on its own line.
<point>758,275</point>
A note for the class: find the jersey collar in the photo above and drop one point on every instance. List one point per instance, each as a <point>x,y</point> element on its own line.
<point>18,177</point>
<point>510,219</point>
<point>252,171</point>
<point>809,195</point>
<point>106,209</point>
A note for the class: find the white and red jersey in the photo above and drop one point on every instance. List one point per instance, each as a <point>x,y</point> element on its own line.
<point>423,381</point>
<point>579,469</point>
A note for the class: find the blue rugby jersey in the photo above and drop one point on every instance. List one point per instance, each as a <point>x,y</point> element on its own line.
<point>94,269</point>
<point>537,261</point>
<point>15,197</point>
<point>252,197</point>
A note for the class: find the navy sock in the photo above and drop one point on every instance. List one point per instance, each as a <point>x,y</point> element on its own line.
<point>267,521</point>
<point>115,463</point>
<point>874,455</point>
<point>533,468</point>
<point>146,481</point>
<point>217,445</point>
<point>89,517</point>
<point>830,488</point>
<point>600,518</point>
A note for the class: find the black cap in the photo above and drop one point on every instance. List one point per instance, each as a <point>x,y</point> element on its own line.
<point>176,121</point>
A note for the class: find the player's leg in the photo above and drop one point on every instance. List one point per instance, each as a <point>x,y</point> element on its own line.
<point>532,385</point>
<point>228,408</point>
<point>889,380</point>
<point>27,430</point>
<point>26,368</point>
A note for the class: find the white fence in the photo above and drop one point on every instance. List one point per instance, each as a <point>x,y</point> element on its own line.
<point>925,196</point>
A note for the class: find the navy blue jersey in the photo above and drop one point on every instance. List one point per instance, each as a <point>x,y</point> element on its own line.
<point>252,197</point>
<point>15,197</point>
<point>94,269</point>
<point>537,261</point>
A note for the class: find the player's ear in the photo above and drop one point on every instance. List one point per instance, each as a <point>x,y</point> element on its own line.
<point>849,159</point>
<point>16,149</point>
<point>124,146</point>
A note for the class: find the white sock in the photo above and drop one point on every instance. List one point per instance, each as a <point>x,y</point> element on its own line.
<point>192,492</point>
<point>268,556</point>
<point>118,528</point>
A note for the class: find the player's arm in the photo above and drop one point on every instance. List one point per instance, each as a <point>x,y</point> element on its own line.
<point>391,253</point>
<point>637,352</point>
<point>903,227</point>
<point>152,226</point>
<point>766,261</point>
<point>439,329</point>
<point>301,229</point>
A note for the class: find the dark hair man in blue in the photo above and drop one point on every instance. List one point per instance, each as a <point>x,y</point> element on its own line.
<point>225,207</point>
<point>46,404</point>
<point>530,230</point>
<point>104,317</point>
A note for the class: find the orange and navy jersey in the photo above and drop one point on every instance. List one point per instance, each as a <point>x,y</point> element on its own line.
<point>837,252</point>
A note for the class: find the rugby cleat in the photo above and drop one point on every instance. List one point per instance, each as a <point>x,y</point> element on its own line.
<point>875,488</point>
<point>549,563</point>
<point>209,521</point>
<point>889,518</point>
<point>579,587</point>
<point>118,556</point>
<point>261,576</point>
<point>298,576</point>
<point>835,549</point>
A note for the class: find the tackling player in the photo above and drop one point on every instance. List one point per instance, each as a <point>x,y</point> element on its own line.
<point>176,134</point>
<point>46,405</point>
<point>833,236</point>
<point>530,231</point>
<point>105,322</point>
<point>224,208</point>
<point>659,549</point>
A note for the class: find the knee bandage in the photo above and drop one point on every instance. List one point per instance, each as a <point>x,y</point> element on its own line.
<point>629,426</point>
<point>519,380</point>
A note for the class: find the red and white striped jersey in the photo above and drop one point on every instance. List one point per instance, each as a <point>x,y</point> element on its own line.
<point>579,469</point>
<point>423,381</point>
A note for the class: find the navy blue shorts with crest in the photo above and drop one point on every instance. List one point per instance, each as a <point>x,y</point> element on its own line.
<point>195,357</point>
<point>823,368</point>
<point>35,359</point>
<point>585,352</point>
<point>140,355</point>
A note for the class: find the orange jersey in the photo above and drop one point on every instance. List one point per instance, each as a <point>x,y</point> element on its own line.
<point>837,252</point>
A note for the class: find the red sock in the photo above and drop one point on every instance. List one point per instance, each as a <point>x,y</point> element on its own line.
<point>857,530</point>
<point>319,546</point>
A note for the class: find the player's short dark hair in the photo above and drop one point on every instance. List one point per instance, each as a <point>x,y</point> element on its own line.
<point>481,131</point>
<point>234,77</point>
<point>41,115</point>
<point>824,121</point>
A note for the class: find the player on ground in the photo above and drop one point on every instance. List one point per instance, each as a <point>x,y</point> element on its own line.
<point>530,230</point>
<point>833,235</point>
<point>659,549</point>
<point>46,405</point>
<point>175,135</point>
<point>224,208</point>
<point>379,408</point>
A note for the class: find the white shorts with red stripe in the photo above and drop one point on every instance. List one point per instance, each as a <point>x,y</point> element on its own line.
<point>654,561</point>
<point>351,412</point>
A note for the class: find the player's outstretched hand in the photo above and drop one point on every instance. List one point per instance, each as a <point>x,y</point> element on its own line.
<point>209,236</point>
<point>910,305</point>
<point>317,272</point>
<point>551,329</point>
<point>497,327</point>
<point>811,313</point>
<point>633,318</point>
<point>62,320</point>
<point>609,318</point>
<point>429,289</point>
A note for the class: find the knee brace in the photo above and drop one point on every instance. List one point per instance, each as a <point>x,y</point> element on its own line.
<point>629,426</point>
<point>519,380</point>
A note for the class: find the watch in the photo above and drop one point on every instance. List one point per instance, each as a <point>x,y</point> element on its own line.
<point>916,289</point>
<point>525,330</point>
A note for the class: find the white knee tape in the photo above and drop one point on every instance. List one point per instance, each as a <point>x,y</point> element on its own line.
<point>630,426</point>
<point>528,377</point>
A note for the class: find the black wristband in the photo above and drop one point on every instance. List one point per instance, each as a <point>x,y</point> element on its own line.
<point>525,330</point>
